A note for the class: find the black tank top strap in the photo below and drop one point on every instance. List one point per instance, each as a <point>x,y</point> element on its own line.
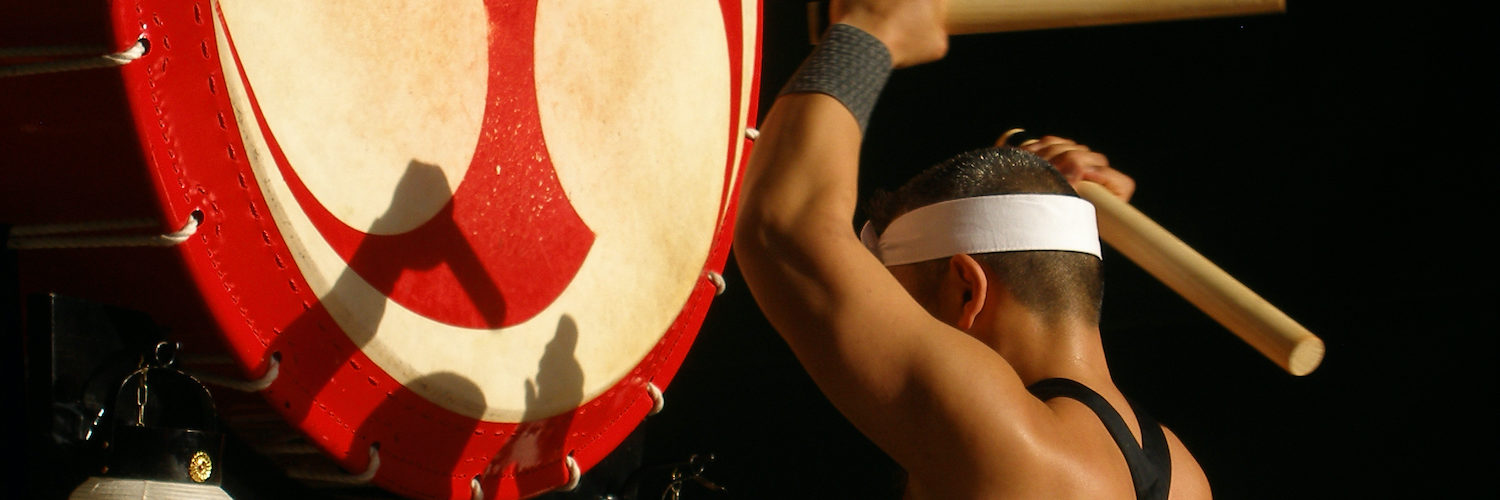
<point>1154,444</point>
<point>1151,467</point>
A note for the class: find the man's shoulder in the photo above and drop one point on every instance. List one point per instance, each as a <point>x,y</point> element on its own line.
<point>1188,479</point>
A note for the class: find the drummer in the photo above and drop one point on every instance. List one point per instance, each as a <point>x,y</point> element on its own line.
<point>960,332</point>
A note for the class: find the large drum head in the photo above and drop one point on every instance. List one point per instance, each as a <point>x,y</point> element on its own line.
<point>476,236</point>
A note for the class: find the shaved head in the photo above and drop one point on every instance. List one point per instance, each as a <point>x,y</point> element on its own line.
<point>1055,284</point>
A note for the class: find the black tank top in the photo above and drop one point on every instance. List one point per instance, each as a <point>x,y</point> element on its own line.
<point>1150,462</point>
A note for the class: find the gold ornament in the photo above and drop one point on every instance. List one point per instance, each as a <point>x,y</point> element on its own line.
<point>200,467</point>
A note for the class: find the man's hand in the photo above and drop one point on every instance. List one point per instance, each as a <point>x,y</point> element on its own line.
<point>911,29</point>
<point>1079,163</point>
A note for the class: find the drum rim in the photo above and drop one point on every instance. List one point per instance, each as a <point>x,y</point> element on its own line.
<point>182,187</point>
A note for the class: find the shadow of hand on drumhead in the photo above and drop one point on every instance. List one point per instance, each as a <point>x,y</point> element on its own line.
<point>559,375</point>
<point>534,454</point>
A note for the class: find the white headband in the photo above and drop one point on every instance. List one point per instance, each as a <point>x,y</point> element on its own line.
<point>999,223</point>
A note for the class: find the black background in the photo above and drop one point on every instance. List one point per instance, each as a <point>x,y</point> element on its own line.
<point>1334,158</point>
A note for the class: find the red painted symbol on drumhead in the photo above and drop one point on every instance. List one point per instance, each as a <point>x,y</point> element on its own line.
<point>507,243</point>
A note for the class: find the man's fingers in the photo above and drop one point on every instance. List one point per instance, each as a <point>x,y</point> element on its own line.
<point>1077,163</point>
<point>1050,141</point>
<point>1065,155</point>
<point>1072,161</point>
<point>1119,184</point>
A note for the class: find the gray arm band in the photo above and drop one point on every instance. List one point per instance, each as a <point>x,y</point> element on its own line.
<point>849,65</point>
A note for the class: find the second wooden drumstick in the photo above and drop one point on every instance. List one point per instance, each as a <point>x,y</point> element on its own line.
<point>991,16</point>
<point>994,16</point>
<point>1205,285</point>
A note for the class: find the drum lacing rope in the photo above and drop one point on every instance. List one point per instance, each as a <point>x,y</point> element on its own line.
<point>93,61</point>
<point>361,478</point>
<point>657,401</point>
<point>54,236</point>
<point>718,281</point>
<point>79,227</point>
<point>297,448</point>
<point>256,385</point>
<point>574,475</point>
<point>752,134</point>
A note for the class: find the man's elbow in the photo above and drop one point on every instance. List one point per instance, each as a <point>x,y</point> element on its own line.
<point>806,235</point>
<point>757,234</point>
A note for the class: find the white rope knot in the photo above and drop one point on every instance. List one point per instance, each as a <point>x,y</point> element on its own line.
<point>574,476</point>
<point>657,400</point>
<point>273,369</point>
<point>718,281</point>
<point>752,134</point>
<point>369,472</point>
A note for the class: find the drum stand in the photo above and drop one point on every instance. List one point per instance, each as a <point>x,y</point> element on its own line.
<point>77,352</point>
<point>80,357</point>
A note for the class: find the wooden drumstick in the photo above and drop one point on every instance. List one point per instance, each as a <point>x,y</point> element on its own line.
<point>1195,278</point>
<point>1204,284</point>
<point>991,16</point>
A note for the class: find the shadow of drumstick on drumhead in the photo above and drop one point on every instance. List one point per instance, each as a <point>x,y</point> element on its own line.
<point>356,302</point>
<point>430,252</point>
<point>541,438</point>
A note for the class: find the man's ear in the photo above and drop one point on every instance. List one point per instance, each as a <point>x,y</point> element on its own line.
<point>976,286</point>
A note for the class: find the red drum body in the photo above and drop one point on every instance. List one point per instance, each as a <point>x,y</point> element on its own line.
<point>475,237</point>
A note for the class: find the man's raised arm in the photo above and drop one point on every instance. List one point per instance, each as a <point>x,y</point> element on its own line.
<point>899,374</point>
